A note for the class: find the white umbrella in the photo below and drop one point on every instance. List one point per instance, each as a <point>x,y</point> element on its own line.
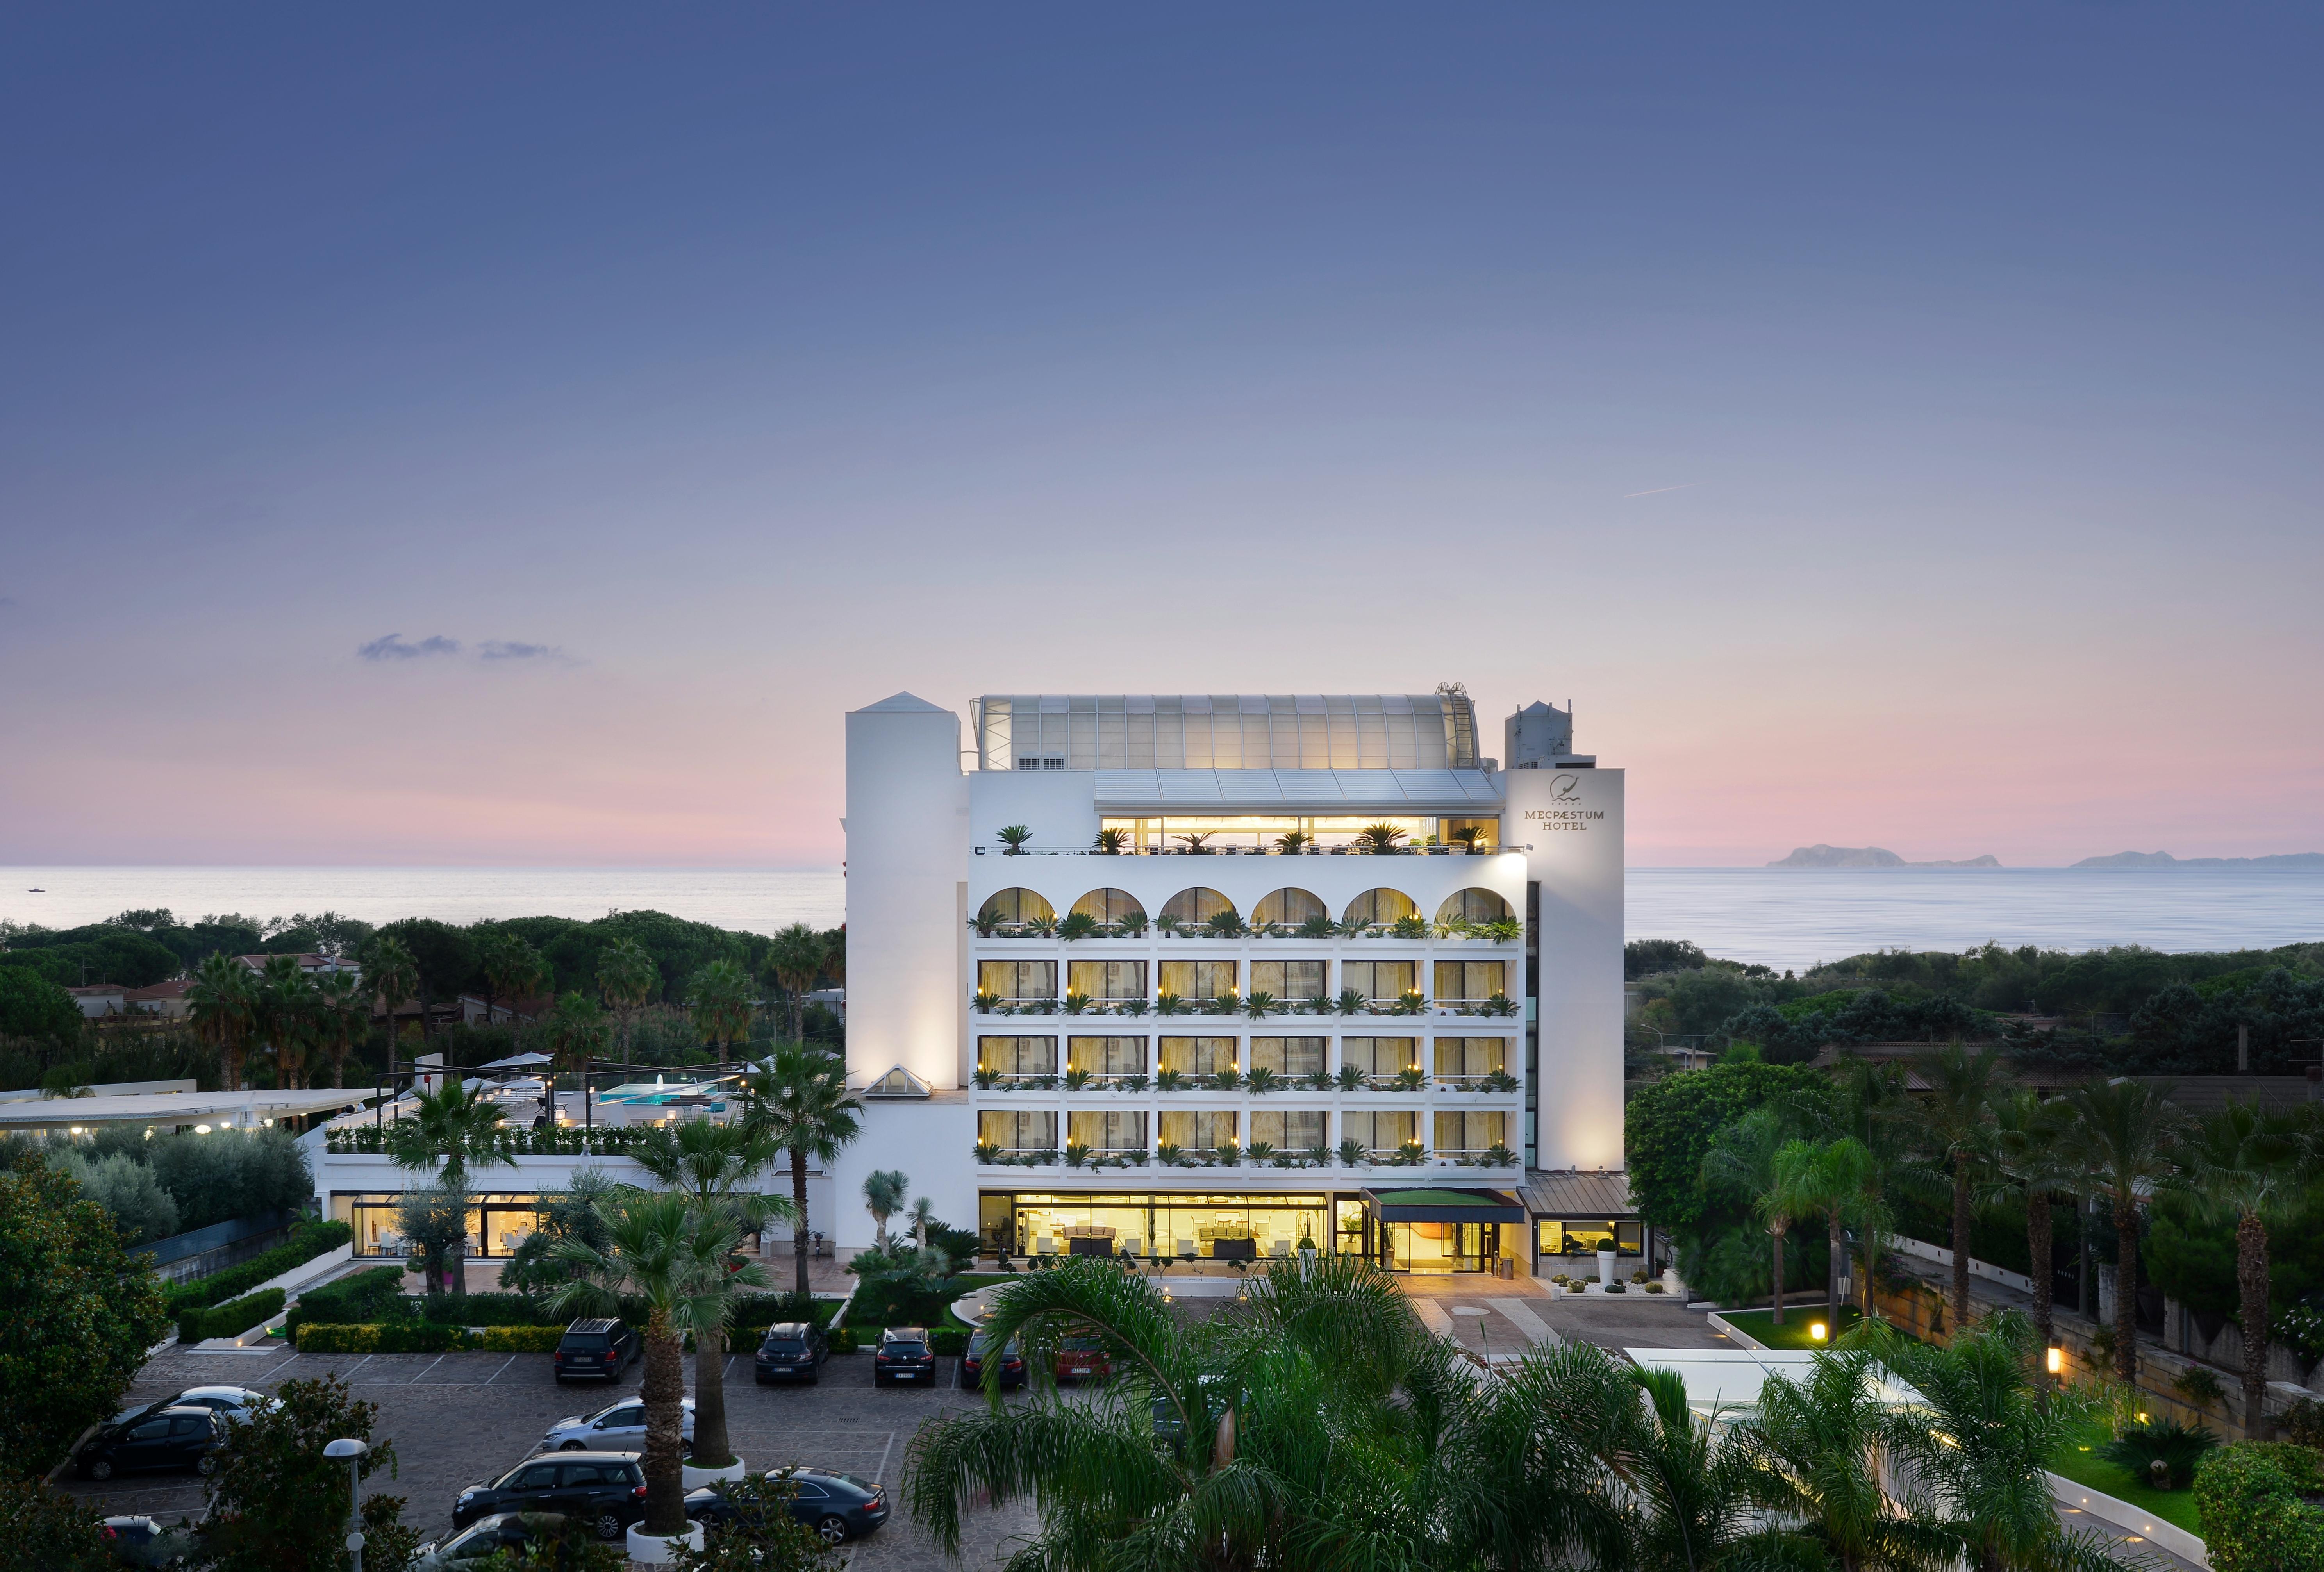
<point>518,1061</point>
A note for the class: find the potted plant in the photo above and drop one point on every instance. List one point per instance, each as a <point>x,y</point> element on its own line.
<point>1077,1003</point>
<point>1166,923</point>
<point>1197,844</point>
<point>1379,840</point>
<point>1411,1154</point>
<point>1013,837</point>
<point>1077,1152</point>
<point>1318,1081</point>
<point>1133,925</point>
<point>1498,1156</point>
<point>1412,1002</point>
<point>1170,1004</point>
<point>1077,1079</point>
<point>1169,1153</point>
<point>1260,1005</point>
<point>1350,1002</point>
<point>1226,924</point>
<point>1411,1078</point>
<point>1411,925</point>
<point>1292,842</point>
<point>1306,1251</point>
<point>1350,1079</point>
<point>1261,1081</point>
<point>1169,1079</point>
<point>1129,1082</point>
<point>1130,1006</point>
<point>1260,1152</point>
<point>1111,842</point>
<point>988,1152</point>
<point>1226,1079</point>
<point>985,1077</point>
<point>1353,1153</point>
<point>1230,1155</point>
<point>1075,925</point>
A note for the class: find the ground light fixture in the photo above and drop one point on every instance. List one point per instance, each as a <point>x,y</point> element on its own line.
<point>2057,1360</point>
<point>1818,1331</point>
<point>354,1451</point>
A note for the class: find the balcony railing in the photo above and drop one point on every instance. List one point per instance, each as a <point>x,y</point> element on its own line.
<point>1344,849</point>
<point>1474,1157</point>
<point>1218,1157</point>
<point>1499,1080</point>
<point>1322,931</point>
<point>1497,1006</point>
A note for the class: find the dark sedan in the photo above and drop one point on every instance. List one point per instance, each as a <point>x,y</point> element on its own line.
<point>904,1355</point>
<point>170,1438</point>
<point>792,1351</point>
<point>838,1507</point>
<point>980,1349</point>
<point>604,1490</point>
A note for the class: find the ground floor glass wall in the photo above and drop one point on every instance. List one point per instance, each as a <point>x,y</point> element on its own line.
<point>1203,1228</point>
<point>497,1224</point>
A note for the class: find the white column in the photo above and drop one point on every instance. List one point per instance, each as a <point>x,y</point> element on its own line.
<point>1572,821</point>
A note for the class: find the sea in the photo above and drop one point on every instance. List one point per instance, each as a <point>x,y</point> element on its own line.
<point>1784,917</point>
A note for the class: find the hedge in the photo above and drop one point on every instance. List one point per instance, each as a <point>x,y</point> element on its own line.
<point>2253,1517</point>
<point>230,1320</point>
<point>307,1241</point>
<point>415,1336</point>
<point>947,1341</point>
<point>366,1296</point>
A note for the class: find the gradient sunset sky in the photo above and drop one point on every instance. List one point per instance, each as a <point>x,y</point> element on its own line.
<point>516,434</point>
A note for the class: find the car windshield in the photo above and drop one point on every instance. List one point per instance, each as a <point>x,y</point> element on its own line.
<point>1082,1345</point>
<point>862,1484</point>
<point>584,1339</point>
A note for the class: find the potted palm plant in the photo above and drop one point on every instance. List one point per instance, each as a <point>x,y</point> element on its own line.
<point>1351,1079</point>
<point>1169,1079</point>
<point>1112,843</point>
<point>988,1152</point>
<point>1353,1153</point>
<point>1197,844</point>
<point>1379,840</point>
<point>1350,1002</point>
<point>1259,1005</point>
<point>1318,927</point>
<point>1077,1003</point>
<point>1259,1082</point>
<point>1260,1152</point>
<point>1292,842</point>
<point>1013,837</point>
<point>1075,925</point>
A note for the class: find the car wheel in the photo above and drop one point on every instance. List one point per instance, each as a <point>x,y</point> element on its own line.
<point>831,1529</point>
<point>609,1525</point>
<point>101,1469</point>
<point>570,1447</point>
<point>205,1465</point>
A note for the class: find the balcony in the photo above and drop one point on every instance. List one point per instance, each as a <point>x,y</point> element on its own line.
<point>1169,1005</point>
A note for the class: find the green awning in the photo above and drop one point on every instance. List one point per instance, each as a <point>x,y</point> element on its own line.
<point>1444,1205</point>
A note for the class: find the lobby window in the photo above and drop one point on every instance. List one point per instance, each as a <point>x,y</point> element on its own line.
<point>1107,1056</point>
<point>1381,982</point>
<point>1107,980</point>
<point>1470,981</point>
<point>1287,1056</point>
<point>1198,981</point>
<point>1018,980</point>
<point>1198,1055</point>
<point>1288,979</point>
<point>1017,1058</point>
<point>1587,1236</point>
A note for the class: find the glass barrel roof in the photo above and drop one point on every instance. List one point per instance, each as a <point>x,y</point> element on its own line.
<point>1236,732</point>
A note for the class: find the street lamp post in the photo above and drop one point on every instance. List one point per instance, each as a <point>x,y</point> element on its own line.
<point>353,1452</point>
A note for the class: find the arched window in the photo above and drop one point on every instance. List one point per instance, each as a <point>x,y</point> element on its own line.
<point>1379,905</point>
<point>1110,905</point>
<point>1473,906</point>
<point>1293,906</point>
<point>1196,905</point>
<point>1016,906</point>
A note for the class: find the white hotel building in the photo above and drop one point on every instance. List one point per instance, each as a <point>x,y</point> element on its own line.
<point>1055,1005</point>
<point>1053,1010</point>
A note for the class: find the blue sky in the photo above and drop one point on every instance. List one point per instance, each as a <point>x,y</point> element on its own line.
<point>1892,430</point>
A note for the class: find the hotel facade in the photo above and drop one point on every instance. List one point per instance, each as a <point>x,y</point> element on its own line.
<point>1203,976</point>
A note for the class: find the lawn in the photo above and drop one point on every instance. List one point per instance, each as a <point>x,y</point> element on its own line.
<point>2079,1461</point>
<point>1760,1325</point>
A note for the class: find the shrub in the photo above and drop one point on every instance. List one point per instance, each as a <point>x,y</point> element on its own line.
<point>215,1178</point>
<point>230,1320</point>
<point>308,1240</point>
<point>373,1295</point>
<point>2164,1454</point>
<point>2253,1516</point>
<point>948,1342</point>
<point>842,1341</point>
<point>519,1340</point>
<point>390,1337</point>
<point>486,1309</point>
<point>2303,1422</point>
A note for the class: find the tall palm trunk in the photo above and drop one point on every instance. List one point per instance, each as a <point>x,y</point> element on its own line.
<point>1837,1258</point>
<point>1961,1243</point>
<point>2125,1288</point>
<point>711,1448</point>
<point>2041,1251</point>
<point>2251,1277</point>
<point>1777,1274</point>
<point>799,1199</point>
<point>664,1391</point>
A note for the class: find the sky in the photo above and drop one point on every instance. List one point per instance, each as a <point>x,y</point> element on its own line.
<point>514,436</point>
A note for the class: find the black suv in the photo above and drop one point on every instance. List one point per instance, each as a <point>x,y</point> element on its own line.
<point>904,1355</point>
<point>170,1438</point>
<point>980,1349</point>
<point>604,1490</point>
<point>594,1350</point>
<point>793,1351</point>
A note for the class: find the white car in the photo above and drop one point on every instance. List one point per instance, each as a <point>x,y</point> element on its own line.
<point>621,1428</point>
<point>232,1404</point>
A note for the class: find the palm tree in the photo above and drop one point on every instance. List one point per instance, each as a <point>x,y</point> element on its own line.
<point>714,1166</point>
<point>513,970</point>
<point>283,1008</point>
<point>796,955</point>
<point>342,1004</point>
<point>1744,1157</point>
<point>718,997</point>
<point>1809,1457</point>
<point>454,1127</point>
<point>2025,1131</point>
<point>800,1098</point>
<point>223,1010</point>
<point>1979,1443</point>
<point>2250,1165</point>
<point>661,1249</point>
<point>2123,1139</point>
<point>393,973</point>
<point>924,1219</point>
<point>627,977</point>
<point>883,1198</point>
<point>574,1032</point>
<point>1955,1116</point>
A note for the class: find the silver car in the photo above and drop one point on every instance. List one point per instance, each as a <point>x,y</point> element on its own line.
<point>619,1428</point>
<point>232,1404</point>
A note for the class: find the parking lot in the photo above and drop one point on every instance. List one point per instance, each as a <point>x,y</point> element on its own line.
<point>459,1419</point>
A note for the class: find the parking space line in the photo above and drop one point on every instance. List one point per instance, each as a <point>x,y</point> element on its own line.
<point>881,1471</point>
<point>440,1359</point>
<point>496,1374</point>
<point>293,1359</point>
<point>728,1369</point>
<point>358,1364</point>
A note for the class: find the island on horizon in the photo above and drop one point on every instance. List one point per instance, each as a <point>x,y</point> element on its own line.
<point>2164,860</point>
<point>1822,856</point>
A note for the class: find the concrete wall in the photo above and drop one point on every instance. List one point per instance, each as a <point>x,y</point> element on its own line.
<point>1572,823</point>
<point>907,840</point>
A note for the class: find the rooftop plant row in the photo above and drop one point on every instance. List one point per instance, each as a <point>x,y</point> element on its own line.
<point>1229,924</point>
<point>1258,1082</point>
<point>1255,1006</point>
<point>1380,840</point>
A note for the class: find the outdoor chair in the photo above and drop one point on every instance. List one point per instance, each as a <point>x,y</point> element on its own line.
<point>1046,1245</point>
